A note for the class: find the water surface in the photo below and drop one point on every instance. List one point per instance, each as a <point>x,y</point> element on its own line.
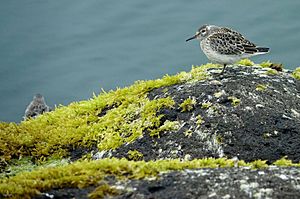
<point>68,49</point>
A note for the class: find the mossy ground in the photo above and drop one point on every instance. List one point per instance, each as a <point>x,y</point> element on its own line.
<point>92,173</point>
<point>296,73</point>
<point>107,121</point>
<point>187,105</point>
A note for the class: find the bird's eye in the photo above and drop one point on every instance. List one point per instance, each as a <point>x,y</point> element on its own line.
<point>203,31</point>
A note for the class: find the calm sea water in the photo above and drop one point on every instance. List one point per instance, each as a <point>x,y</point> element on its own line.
<point>68,49</point>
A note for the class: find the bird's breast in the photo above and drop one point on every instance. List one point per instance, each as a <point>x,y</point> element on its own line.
<point>217,57</point>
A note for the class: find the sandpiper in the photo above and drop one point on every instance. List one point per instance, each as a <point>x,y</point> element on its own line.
<point>225,46</point>
<point>36,107</point>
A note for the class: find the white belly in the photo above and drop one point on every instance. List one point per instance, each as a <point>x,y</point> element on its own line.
<point>221,58</point>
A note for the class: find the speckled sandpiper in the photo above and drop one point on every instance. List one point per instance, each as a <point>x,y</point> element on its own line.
<point>225,46</point>
<point>36,107</point>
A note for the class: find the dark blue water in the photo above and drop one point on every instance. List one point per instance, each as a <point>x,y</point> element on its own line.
<point>68,49</point>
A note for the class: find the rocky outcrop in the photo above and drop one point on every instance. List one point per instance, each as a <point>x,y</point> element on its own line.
<point>219,183</point>
<point>177,124</point>
<point>241,183</point>
<point>245,113</point>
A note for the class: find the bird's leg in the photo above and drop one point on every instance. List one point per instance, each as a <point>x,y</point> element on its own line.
<point>223,69</point>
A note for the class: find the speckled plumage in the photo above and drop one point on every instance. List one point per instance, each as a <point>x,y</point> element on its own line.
<point>225,46</point>
<point>36,107</point>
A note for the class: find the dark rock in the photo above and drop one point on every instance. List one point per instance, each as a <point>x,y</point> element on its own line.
<point>241,183</point>
<point>218,183</point>
<point>264,122</point>
<point>66,193</point>
<point>245,113</point>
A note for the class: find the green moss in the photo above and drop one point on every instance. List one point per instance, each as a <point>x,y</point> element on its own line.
<point>188,133</point>
<point>275,66</point>
<point>150,119</point>
<point>199,120</point>
<point>219,139</point>
<point>259,164</point>
<point>234,101</point>
<point>271,72</point>
<point>90,173</point>
<point>283,162</point>
<point>261,87</point>
<point>103,191</point>
<point>245,62</point>
<point>266,64</point>
<point>200,73</point>
<point>168,126</point>
<point>107,121</point>
<point>134,155</point>
<point>218,94</point>
<point>188,104</point>
<point>165,90</point>
<point>206,105</point>
<point>17,166</point>
<point>296,73</point>
<point>26,164</point>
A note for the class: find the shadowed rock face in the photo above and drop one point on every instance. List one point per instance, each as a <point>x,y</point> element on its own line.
<point>244,113</point>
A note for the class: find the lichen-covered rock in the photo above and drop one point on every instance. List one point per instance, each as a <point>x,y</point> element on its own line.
<point>246,113</point>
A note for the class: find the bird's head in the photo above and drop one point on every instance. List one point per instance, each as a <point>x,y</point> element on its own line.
<point>203,32</point>
<point>38,97</point>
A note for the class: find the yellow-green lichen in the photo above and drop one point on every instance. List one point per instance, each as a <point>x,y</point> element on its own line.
<point>91,173</point>
<point>261,87</point>
<point>188,104</point>
<point>206,105</point>
<point>245,62</point>
<point>134,155</point>
<point>234,101</point>
<point>296,73</point>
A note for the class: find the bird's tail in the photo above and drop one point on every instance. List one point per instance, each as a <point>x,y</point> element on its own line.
<point>263,50</point>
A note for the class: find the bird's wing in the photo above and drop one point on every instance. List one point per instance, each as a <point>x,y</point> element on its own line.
<point>229,42</point>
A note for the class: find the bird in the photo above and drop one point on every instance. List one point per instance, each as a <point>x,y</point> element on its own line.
<point>36,107</point>
<point>225,46</point>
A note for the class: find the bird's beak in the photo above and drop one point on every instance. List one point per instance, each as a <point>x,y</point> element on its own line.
<point>193,37</point>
